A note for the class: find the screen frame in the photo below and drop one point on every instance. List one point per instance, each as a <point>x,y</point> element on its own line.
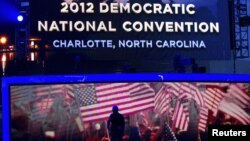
<point>97,78</point>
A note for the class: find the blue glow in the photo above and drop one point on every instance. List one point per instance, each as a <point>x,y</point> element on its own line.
<point>8,81</point>
<point>5,111</point>
<point>8,12</point>
<point>20,18</point>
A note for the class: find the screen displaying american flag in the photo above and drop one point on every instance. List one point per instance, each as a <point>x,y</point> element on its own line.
<point>152,110</point>
<point>95,100</point>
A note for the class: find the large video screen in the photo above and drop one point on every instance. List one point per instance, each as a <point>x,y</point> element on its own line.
<point>152,111</point>
<point>134,29</point>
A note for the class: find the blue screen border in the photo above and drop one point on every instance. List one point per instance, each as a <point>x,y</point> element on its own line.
<point>95,78</point>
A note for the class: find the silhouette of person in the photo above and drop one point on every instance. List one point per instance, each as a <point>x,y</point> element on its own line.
<point>116,125</point>
<point>19,129</point>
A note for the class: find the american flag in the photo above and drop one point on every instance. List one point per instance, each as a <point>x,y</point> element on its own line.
<point>162,101</point>
<point>181,116</point>
<point>212,98</point>
<point>25,97</point>
<point>192,91</point>
<point>41,107</point>
<point>173,88</point>
<point>21,94</point>
<point>45,90</point>
<point>169,134</point>
<point>196,95</point>
<point>44,99</point>
<point>95,101</point>
<point>239,95</point>
<point>45,96</point>
<point>203,116</point>
<point>68,92</point>
<point>186,91</point>
<point>229,107</point>
<point>21,98</point>
<point>176,89</point>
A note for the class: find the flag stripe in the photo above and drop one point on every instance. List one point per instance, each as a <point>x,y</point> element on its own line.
<point>180,118</point>
<point>203,119</point>
<point>235,111</point>
<point>239,95</point>
<point>162,101</point>
<point>21,94</point>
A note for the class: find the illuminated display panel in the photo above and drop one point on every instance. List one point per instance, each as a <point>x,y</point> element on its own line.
<point>134,30</point>
<point>155,106</point>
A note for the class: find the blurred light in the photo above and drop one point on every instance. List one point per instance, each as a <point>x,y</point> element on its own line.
<point>11,56</point>
<point>32,56</point>
<point>46,46</point>
<point>3,40</point>
<point>35,39</point>
<point>32,43</point>
<point>4,58</point>
<point>20,18</point>
<point>50,134</point>
<point>97,126</point>
<point>11,47</point>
